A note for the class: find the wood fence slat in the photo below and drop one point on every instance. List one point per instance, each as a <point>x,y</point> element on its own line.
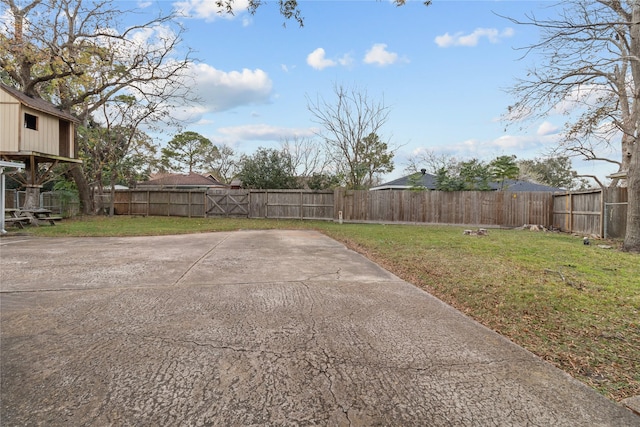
<point>580,212</point>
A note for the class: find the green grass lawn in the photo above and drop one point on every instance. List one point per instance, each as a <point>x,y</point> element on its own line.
<point>576,306</point>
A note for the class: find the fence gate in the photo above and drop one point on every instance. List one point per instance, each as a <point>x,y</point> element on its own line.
<point>228,203</point>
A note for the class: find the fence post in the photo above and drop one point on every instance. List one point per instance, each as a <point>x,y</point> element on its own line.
<point>602,213</point>
<point>570,210</point>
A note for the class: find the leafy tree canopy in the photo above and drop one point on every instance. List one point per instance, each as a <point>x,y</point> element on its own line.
<point>188,151</point>
<point>267,168</point>
<point>555,171</point>
<point>475,174</point>
<point>503,168</point>
<point>323,181</point>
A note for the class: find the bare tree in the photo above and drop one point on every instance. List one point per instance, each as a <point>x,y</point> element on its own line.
<point>431,161</point>
<point>307,155</point>
<point>77,55</point>
<point>591,70</point>
<point>224,164</point>
<point>351,125</point>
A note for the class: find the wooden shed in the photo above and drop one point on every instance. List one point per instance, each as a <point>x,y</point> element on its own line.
<point>32,127</point>
<point>36,133</point>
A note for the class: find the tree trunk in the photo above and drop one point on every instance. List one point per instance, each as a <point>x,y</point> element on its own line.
<point>632,151</point>
<point>84,191</point>
<point>112,190</point>
<point>632,235</point>
<point>32,197</point>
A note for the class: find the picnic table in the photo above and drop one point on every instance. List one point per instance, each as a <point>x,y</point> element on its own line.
<point>37,215</point>
<point>21,217</point>
<point>13,217</point>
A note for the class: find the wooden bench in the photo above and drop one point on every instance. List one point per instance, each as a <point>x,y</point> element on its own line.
<point>17,221</point>
<point>20,217</point>
<point>40,215</point>
<point>52,219</point>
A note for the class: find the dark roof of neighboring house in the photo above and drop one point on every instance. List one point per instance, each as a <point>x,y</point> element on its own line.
<point>38,103</point>
<point>519,185</point>
<point>428,181</point>
<point>182,180</point>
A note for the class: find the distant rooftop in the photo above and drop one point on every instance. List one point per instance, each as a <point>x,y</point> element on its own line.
<point>182,180</point>
<point>429,182</point>
<point>38,103</point>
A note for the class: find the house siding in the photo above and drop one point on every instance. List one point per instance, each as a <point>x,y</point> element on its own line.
<point>46,138</point>
<point>53,136</point>
<point>9,122</point>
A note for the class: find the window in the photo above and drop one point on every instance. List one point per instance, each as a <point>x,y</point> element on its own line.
<point>30,121</point>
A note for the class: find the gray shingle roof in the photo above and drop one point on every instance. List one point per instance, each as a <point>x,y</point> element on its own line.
<point>38,104</point>
<point>182,180</point>
<point>426,180</point>
<point>518,185</point>
<point>429,182</point>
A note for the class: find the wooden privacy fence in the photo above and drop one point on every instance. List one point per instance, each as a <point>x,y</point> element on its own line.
<point>600,212</point>
<point>170,202</point>
<point>292,204</point>
<point>222,202</point>
<point>296,204</point>
<point>490,208</point>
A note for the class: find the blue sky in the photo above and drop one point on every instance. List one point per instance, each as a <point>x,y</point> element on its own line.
<point>442,70</point>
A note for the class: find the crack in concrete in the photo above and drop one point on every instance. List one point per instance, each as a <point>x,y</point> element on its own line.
<point>336,273</point>
<point>192,266</point>
<point>327,359</point>
<point>255,351</point>
<point>325,371</point>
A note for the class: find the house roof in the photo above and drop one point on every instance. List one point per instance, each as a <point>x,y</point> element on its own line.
<point>429,182</point>
<point>38,103</point>
<point>182,180</point>
<point>519,185</point>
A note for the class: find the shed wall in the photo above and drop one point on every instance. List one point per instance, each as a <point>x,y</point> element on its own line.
<point>46,138</point>
<point>53,136</point>
<point>9,122</point>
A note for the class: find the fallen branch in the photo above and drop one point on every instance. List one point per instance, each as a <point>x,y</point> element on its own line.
<point>564,279</point>
<point>546,270</point>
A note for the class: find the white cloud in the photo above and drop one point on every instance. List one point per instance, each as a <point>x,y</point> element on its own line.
<point>523,146</point>
<point>346,60</point>
<point>317,60</point>
<point>472,39</point>
<point>510,143</point>
<point>379,55</point>
<point>288,68</point>
<point>262,132</point>
<point>580,96</point>
<point>191,114</point>
<point>547,128</point>
<point>221,90</point>
<point>207,9</point>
